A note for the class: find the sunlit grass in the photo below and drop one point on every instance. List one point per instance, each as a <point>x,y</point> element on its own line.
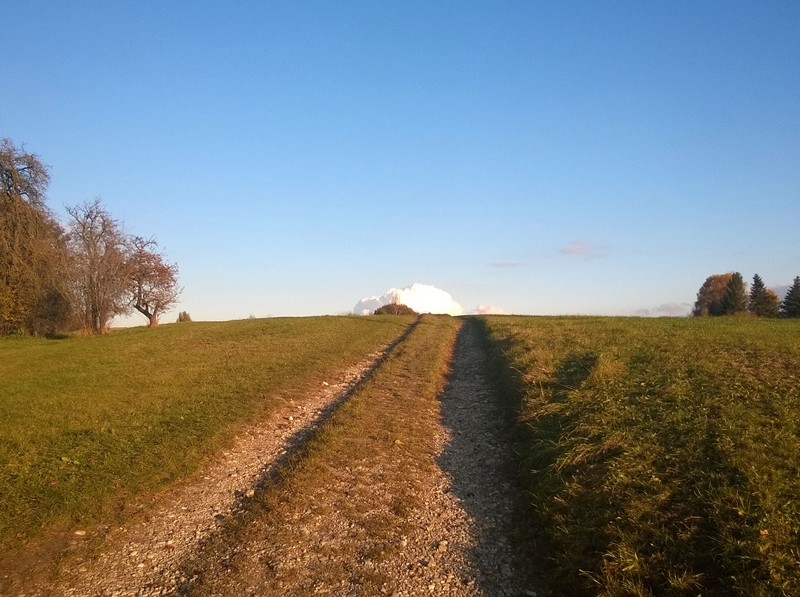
<point>662,456</point>
<point>86,421</point>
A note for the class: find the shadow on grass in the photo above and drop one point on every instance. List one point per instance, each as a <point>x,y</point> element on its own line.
<point>543,423</point>
<point>640,480</point>
<point>696,520</point>
<point>571,373</point>
<point>57,336</point>
<point>701,528</point>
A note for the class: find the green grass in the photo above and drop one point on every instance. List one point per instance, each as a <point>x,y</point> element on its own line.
<point>88,422</point>
<point>662,457</point>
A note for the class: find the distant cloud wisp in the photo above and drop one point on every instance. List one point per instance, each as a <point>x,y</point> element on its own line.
<point>583,249</point>
<point>666,310</point>
<point>507,264</point>
<point>488,310</point>
<point>780,290</point>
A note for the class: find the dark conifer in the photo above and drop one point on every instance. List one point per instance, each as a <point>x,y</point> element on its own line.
<point>763,301</point>
<point>791,302</point>
<point>757,290</point>
<point>735,298</point>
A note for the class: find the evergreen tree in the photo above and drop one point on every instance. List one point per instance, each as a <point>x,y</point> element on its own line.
<point>735,298</point>
<point>763,301</point>
<point>757,290</point>
<point>791,302</point>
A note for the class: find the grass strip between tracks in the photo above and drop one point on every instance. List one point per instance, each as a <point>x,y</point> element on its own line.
<point>348,492</point>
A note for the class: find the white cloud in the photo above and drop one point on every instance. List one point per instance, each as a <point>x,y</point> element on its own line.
<point>423,298</point>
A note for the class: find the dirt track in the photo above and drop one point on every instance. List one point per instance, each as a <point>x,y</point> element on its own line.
<point>454,538</point>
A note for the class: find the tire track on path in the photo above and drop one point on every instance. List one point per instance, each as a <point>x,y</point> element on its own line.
<point>479,463</point>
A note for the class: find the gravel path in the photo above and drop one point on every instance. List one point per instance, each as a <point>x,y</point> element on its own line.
<point>454,542</point>
<point>349,537</point>
<point>477,463</point>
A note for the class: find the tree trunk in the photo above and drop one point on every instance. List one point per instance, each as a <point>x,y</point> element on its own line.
<point>152,316</point>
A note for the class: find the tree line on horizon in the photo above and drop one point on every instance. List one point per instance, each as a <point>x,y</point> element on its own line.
<point>727,294</point>
<point>58,277</point>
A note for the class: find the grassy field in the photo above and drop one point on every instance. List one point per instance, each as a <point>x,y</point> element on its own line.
<point>662,456</point>
<point>86,423</point>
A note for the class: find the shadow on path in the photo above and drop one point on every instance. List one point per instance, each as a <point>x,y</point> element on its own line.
<point>480,462</point>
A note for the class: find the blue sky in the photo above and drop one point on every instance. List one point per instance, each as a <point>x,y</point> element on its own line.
<point>545,158</point>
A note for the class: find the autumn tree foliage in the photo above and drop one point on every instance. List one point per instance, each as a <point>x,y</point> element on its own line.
<point>711,295</point>
<point>33,294</point>
<point>153,281</point>
<point>727,294</point>
<point>721,294</point>
<point>763,302</point>
<point>790,307</point>
<point>114,273</point>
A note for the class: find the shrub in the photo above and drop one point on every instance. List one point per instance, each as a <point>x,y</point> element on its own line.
<point>395,309</point>
<point>184,316</point>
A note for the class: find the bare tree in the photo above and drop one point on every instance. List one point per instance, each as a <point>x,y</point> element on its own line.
<point>153,281</point>
<point>23,175</point>
<point>33,296</point>
<point>99,265</point>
